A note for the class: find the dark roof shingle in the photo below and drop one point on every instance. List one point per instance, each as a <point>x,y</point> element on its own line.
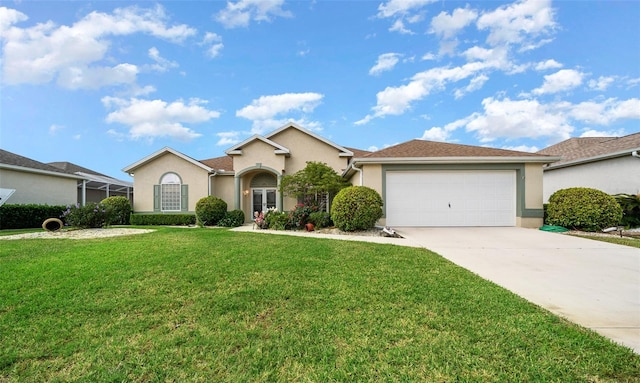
<point>580,148</point>
<point>219,163</point>
<point>429,149</point>
<point>13,159</point>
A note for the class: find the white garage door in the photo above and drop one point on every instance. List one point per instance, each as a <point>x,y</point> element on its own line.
<point>451,198</point>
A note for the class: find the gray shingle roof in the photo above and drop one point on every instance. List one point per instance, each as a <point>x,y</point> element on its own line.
<point>13,159</point>
<point>425,149</point>
<point>584,148</point>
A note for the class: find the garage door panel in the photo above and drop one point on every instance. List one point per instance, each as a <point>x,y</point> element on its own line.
<point>450,198</point>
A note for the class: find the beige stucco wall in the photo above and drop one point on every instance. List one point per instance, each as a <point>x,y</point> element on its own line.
<point>258,154</point>
<point>223,188</point>
<point>529,223</point>
<point>149,174</point>
<point>612,176</point>
<point>304,147</point>
<point>533,186</point>
<point>33,188</point>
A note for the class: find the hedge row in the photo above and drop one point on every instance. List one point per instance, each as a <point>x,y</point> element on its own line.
<point>27,216</point>
<point>163,219</point>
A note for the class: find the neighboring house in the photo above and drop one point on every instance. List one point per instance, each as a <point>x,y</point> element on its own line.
<point>35,182</point>
<point>96,186</point>
<point>610,164</point>
<point>57,183</point>
<point>422,183</point>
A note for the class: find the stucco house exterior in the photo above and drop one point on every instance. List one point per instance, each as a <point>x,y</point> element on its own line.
<point>55,183</point>
<point>422,183</point>
<point>610,164</point>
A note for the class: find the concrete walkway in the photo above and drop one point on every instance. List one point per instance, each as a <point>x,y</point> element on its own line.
<point>591,283</point>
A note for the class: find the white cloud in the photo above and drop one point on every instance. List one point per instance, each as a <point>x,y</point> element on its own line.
<point>602,83</point>
<point>53,129</point>
<point>150,119</point>
<point>268,106</point>
<point>435,134</point>
<point>228,138</point>
<point>600,133</point>
<point>429,57</point>
<point>263,110</point>
<point>563,80</point>
<point>522,148</point>
<point>386,62</point>
<point>549,64</point>
<point>162,64</point>
<point>397,100</point>
<point>513,119</point>
<point>372,149</point>
<point>8,17</point>
<point>398,26</point>
<point>73,55</point>
<point>214,44</point>
<point>394,8</point>
<point>241,13</point>
<point>520,118</point>
<point>518,22</point>
<point>447,26</point>
<point>475,84</point>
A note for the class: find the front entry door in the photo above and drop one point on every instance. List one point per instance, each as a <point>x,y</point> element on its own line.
<point>263,199</point>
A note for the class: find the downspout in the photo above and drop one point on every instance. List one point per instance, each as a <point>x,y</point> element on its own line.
<point>210,176</point>
<point>353,165</point>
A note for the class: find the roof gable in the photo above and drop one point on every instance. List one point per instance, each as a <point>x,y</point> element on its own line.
<point>131,168</point>
<point>237,149</point>
<point>344,152</point>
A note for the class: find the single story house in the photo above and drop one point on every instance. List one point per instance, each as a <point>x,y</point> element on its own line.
<point>422,183</point>
<point>96,186</point>
<point>610,164</point>
<point>27,181</point>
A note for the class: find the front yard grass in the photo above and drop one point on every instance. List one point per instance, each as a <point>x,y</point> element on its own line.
<point>626,241</point>
<point>205,305</point>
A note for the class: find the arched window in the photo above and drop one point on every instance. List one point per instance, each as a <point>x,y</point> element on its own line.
<point>170,195</point>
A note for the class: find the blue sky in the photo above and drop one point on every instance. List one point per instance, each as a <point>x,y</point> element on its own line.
<point>103,84</point>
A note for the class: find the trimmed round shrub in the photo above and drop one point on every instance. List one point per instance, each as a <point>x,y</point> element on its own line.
<point>583,209</point>
<point>210,210</point>
<point>233,218</point>
<point>118,210</point>
<point>356,208</point>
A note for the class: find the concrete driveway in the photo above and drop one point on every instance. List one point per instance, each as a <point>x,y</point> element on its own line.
<point>592,283</point>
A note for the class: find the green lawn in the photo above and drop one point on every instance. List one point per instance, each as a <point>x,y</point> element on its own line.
<point>210,305</point>
<point>626,241</point>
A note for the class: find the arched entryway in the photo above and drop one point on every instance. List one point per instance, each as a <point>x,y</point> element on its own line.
<point>263,192</point>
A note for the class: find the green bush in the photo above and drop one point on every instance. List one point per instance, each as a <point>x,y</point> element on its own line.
<point>163,219</point>
<point>210,210</point>
<point>91,215</point>
<point>583,209</point>
<point>27,216</point>
<point>320,219</point>
<point>630,205</point>
<point>118,210</point>
<point>275,220</point>
<point>356,208</point>
<point>233,218</point>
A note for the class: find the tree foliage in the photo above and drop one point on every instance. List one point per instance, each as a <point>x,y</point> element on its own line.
<point>317,178</point>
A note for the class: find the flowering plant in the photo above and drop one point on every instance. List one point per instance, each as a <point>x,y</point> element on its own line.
<point>88,216</point>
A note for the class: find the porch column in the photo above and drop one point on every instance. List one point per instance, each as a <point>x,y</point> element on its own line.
<point>279,199</point>
<point>107,190</point>
<point>237,193</point>
<point>84,192</point>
